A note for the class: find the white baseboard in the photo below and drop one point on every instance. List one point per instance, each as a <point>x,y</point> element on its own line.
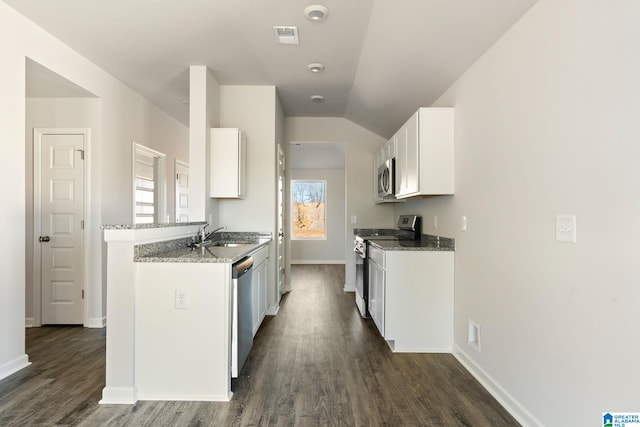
<point>273,311</point>
<point>118,396</point>
<point>13,366</point>
<point>514,407</point>
<point>349,287</point>
<point>96,322</point>
<point>187,398</point>
<point>318,261</point>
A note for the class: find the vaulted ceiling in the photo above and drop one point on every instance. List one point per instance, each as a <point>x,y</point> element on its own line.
<point>383,58</point>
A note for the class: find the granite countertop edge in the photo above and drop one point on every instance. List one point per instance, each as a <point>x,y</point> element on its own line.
<point>177,251</point>
<point>146,226</point>
<point>386,245</point>
<point>427,242</point>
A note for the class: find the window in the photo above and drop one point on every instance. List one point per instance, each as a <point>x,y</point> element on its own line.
<point>148,185</point>
<point>308,199</point>
<point>145,186</point>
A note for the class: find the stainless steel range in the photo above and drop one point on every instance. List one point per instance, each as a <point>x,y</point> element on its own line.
<point>409,228</point>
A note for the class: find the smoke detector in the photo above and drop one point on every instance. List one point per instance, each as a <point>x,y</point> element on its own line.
<point>317,98</point>
<point>316,12</point>
<point>315,67</point>
<point>286,35</point>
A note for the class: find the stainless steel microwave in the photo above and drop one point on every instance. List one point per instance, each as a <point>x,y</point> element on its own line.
<point>387,179</point>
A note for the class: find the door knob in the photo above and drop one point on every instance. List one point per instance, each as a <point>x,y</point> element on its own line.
<point>45,238</point>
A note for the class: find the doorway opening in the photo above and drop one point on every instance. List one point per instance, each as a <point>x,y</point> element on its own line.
<point>59,118</point>
<point>317,203</point>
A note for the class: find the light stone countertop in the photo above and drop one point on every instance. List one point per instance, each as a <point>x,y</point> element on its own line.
<point>427,242</point>
<point>436,244</point>
<point>145,226</point>
<point>178,251</point>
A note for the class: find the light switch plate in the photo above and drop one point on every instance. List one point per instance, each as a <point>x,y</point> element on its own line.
<point>463,223</point>
<point>566,228</point>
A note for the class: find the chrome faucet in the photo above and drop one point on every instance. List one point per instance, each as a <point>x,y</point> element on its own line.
<point>204,236</point>
<point>202,233</point>
<point>200,240</point>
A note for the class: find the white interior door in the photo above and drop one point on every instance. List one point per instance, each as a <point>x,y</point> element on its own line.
<point>182,191</point>
<point>61,204</point>
<point>280,242</point>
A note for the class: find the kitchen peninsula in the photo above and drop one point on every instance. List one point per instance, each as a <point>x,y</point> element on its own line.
<point>156,348</point>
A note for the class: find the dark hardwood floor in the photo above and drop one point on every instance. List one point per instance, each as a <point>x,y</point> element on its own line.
<point>316,363</point>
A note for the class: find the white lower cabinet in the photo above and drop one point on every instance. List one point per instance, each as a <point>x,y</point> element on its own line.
<point>411,299</point>
<point>376,287</point>
<point>259,285</point>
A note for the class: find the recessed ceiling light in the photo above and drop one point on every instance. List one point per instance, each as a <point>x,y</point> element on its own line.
<point>315,67</point>
<point>317,98</point>
<point>316,12</point>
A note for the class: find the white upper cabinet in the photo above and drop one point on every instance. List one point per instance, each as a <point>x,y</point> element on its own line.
<point>424,154</point>
<point>227,163</point>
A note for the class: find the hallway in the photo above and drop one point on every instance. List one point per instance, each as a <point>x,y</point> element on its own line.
<point>316,363</point>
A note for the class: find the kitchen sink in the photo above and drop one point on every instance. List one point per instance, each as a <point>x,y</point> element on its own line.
<point>231,245</point>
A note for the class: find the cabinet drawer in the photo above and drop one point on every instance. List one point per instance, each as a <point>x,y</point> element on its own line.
<point>259,256</point>
<point>376,255</point>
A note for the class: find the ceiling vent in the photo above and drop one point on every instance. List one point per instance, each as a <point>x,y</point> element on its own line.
<point>286,35</point>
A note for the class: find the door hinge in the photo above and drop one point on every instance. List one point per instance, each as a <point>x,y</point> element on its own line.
<point>83,294</point>
<point>81,154</point>
<point>82,224</point>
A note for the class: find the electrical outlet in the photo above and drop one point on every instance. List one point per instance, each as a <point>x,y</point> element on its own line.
<point>435,222</point>
<point>354,219</point>
<point>566,228</point>
<point>182,299</point>
<point>463,223</point>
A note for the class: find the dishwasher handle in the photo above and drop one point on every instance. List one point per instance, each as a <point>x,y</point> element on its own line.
<point>241,267</point>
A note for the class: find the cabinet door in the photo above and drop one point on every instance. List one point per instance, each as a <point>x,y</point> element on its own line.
<point>255,299</point>
<point>264,286</point>
<point>227,163</point>
<point>259,294</point>
<point>400,139</point>
<point>412,166</point>
<point>376,294</point>
<point>408,159</point>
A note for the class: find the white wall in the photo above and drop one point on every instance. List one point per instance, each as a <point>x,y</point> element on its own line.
<point>332,249</point>
<point>204,113</point>
<point>546,123</point>
<point>254,110</point>
<point>125,116</point>
<point>56,113</point>
<point>361,147</point>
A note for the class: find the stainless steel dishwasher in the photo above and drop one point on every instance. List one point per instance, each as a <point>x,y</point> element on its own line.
<point>242,323</point>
